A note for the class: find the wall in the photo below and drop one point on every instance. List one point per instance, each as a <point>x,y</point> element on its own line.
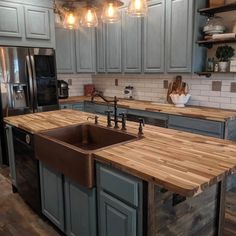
<point>78,82</point>
<point>151,88</point>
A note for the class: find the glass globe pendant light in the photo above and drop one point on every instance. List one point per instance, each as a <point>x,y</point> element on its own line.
<point>89,17</point>
<point>71,20</point>
<point>137,8</point>
<point>111,12</point>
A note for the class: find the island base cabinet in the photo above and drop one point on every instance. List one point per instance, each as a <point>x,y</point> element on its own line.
<point>117,218</point>
<point>52,196</point>
<point>170,214</point>
<point>230,207</point>
<point>80,205</point>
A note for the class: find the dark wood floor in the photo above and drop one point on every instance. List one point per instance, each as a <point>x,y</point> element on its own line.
<point>16,218</point>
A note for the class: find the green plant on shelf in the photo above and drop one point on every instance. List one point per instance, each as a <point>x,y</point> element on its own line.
<point>224,53</point>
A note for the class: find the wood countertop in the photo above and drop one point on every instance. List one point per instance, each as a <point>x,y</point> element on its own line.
<point>181,162</point>
<point>189,111</point>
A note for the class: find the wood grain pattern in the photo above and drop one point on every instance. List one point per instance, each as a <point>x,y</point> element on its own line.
<point>189,111</point>
<point>182,162</point>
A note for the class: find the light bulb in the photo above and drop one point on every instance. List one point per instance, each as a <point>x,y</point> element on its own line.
<point>71,20</point>
<point>111,13</point>
<point>89,17</point>
<point>137,8</point>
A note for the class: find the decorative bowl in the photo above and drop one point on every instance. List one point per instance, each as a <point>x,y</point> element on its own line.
<point>180,100</point>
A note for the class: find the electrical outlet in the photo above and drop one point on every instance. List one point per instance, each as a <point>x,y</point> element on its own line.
<point>233,87</point>
<point>116,82</point>
<point>165,84</point>
<point>69,81</point>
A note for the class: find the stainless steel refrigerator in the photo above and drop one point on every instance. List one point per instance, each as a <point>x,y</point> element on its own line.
<point>28,84</point>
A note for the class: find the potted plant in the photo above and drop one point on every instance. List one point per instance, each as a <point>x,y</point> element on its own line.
<point>224,53</point>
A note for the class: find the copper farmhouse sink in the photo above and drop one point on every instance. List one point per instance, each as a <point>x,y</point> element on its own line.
<point>69,149</point>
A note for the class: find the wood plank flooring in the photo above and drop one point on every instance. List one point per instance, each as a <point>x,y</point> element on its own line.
<point>16,218</point>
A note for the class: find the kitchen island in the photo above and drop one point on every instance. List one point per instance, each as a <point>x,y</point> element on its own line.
<point>188,180</point>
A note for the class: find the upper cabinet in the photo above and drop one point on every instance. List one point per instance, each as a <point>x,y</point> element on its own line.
<point>27,25</point>
<point>85,50</point>
<point>11,16</point>
<point>154,38</point>
<point>37,21</point>
<point>65,50</point>
<point>132,43</point>
<point>179,35</point>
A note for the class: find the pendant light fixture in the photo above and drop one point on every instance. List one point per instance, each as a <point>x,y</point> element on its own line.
<point>137,8</point>
<point>89,17</point>
<point>71,20</point>
<point>111,12</point>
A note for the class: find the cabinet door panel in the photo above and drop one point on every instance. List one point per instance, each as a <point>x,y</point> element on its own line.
<point>131,29</point>
<point>80,210</point>
<point>85,50</point>
<point>117,219</point>
<point>179,35</point>
<point>37,23</point>
<point>101,61</point>
<point>11,20</point>
<point>154,36</point>
<point>65,50</point>
<point>52,195</point>
<point>113,46</point>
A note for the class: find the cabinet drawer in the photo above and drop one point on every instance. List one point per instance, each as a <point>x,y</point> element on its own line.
<point>205,127</point>
<point>118,184</point>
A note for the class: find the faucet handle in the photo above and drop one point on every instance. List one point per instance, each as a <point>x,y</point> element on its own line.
<point>95,118</point>
<point>141,125</point>
<point>123,120</point>
<point>109,112</point>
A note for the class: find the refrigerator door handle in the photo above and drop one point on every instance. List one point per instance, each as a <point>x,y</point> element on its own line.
<point>34,82</point>
<point>30,84</point>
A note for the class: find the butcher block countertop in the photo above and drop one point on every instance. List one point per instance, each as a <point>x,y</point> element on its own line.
<point>189,111</point>
<point>181,162</point>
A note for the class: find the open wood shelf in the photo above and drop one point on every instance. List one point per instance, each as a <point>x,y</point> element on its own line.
<point>210,42</point>
<point>208,74</point>
<point>213,10</point>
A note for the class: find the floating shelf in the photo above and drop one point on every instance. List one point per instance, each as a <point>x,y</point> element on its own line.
<point>210,42</point>
<point>208,74</point>
<point>213,10</point>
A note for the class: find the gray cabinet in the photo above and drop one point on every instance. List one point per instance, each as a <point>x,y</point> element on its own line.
<point>65,50</point>
<point>198,126</point>
<point>154,37</point>
<point>80,205</point>
<point>113,48</point>
<point>85,50</point>
<point>131,40</point>
<point>37,22</point>
<point>52,195</point>
<point>11,155</point>
<point>78,106</point>
<point>179,35</point>
<point>119,198</point>
<point>27,23</point>
<point>11,17</point>
<point>117,218</point>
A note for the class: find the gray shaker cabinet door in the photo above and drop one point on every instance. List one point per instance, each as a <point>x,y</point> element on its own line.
<point>65,50</point>
<point>85,50</point>
<point>52,196</point>
<point>101,47</point>
<point>80,210</point>
<point>37,22</point>
<point>113,47</point>
<point>179,35</point>
<point>154,37</point>
<point>11,20</point>
<point>117,218</point>
<point>131,32</point>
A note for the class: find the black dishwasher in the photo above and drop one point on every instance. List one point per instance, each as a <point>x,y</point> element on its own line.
<point>27,169</point>
<point>161,122</point>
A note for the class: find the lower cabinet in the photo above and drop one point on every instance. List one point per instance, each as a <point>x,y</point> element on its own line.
<point>52,196</point>
<point>69,206</point>
<point>120,203</point>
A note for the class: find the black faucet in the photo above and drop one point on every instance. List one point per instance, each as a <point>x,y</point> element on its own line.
<point>109,119</point>
<point>141,124</point>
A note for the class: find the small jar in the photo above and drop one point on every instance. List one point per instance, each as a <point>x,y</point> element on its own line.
<point>216,67</point>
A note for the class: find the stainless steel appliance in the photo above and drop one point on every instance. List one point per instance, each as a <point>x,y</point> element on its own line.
<point>28,83</point>
<point>63,89</point>
<point>27,169</point>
